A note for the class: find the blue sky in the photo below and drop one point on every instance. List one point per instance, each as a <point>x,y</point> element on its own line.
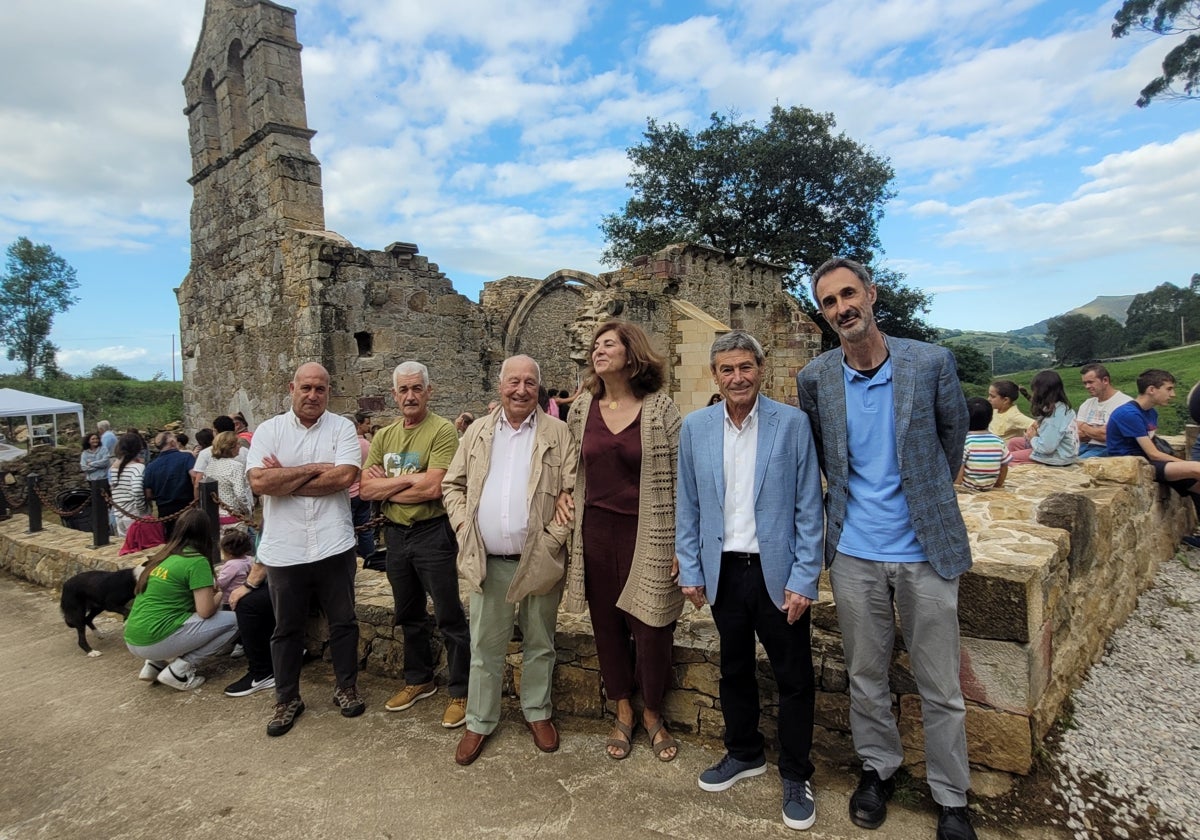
<point>493,133</point>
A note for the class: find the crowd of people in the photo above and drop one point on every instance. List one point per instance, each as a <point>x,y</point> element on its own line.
<point>626,509</point>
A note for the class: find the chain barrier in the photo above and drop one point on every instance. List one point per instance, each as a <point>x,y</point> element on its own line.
<point>11,504</point>
<point>139,518</point>
<point>244,519</point>
<point>50,506</point>
<point>371,524</point>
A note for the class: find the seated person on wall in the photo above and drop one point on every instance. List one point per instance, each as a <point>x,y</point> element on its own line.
<point>1132,430</point>
<point>985,458</point>
<point>1092,419</point>
<point>1052,438</point>
<point>1008,421</point>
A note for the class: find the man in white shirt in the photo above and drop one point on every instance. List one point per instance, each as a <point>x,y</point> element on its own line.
<point>500,492</point>
<point>1092,417</point>
<point>302,463</point>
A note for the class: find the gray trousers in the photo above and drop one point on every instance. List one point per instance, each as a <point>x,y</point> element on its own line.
<point>196,640</point>
<point>868,594</point>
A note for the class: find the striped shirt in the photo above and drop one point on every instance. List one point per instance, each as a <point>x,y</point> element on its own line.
<point>983,455</point>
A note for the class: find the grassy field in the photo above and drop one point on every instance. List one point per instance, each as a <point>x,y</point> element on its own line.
<point>1182,362</point>
<point>124,403</point>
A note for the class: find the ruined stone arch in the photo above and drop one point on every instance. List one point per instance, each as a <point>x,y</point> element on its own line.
<point>208,140</point>
<point>563,278</point>
<point>235,113</point>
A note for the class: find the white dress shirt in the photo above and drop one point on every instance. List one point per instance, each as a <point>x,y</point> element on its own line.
<point>503,506</point>
<point>740,450</point>
<point>304,529</point>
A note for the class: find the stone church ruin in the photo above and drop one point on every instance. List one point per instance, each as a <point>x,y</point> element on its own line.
<point>269,287</point>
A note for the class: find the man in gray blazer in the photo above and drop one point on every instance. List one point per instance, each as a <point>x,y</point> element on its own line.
<point>890,420</point>
<point>748,528</point>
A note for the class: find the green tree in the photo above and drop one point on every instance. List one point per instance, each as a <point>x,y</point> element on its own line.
<point>973,366</point>
<point>791,192</point>
<point>1181,64</point>
<point>1073,339</point>
<point>36,286</point>
<point>1152,320</point>
<point>107,372</point>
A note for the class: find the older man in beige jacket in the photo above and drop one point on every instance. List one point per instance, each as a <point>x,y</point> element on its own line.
<point>500,492</point>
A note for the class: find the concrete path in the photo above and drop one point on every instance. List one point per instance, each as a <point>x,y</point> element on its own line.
<point>87,751</point>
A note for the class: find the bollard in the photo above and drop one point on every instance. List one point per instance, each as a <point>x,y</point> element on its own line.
<point>208,504</point>
<point>33,503</point>
<point>4,514</point>
<point>99,513</point>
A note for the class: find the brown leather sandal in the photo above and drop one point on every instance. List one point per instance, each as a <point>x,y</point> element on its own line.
<point>625,745</point>
<point>660,748</point>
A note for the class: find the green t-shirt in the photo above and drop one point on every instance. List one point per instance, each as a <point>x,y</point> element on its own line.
<point>429,445</point>
<point>167,602</point>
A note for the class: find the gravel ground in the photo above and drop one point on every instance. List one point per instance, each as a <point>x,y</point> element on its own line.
<point>1129,761</point>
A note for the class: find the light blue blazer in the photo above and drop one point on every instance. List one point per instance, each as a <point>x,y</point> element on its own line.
<point>788,514</point>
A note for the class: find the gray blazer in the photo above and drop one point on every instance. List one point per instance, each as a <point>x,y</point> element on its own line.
<point>787,501</point>
<point>931,426</point>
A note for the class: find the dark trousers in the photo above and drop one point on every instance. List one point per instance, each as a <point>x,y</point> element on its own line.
<point>360,514</point>
<point>743,609</point>
<point>256,623</point>
<point>165,509</point>
<point>331,580</point>
<point>422,560</point>
<point>630,651</point>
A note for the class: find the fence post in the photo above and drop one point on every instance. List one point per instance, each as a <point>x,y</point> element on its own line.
<point>33,503</point>
<point>4,514</point>
<point>99,513</point>
<point>208,504</point>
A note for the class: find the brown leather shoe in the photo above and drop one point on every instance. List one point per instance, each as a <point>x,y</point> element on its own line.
<point>545,736</point>
<point>469,747</point>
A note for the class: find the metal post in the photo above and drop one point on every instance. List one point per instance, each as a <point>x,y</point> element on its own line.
<point>208,504</point>
<point>33,503</point>
<point>4,514</point>
<point>99,513</point>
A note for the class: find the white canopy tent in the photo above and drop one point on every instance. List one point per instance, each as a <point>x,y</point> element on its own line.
<point>15,403</point>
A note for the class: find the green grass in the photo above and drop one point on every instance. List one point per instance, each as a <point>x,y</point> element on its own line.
<point>1183,363</point>
<point>124,403</point>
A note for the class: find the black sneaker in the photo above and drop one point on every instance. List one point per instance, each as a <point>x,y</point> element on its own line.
<point>868,804</point>
<point>248,685</point>
<point>352,705</point>
<point>284,717</point>
<point>955,824</point>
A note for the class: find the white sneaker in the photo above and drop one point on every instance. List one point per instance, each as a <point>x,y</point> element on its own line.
<point>150,671</point>
<point>185,682</point>
<point>238,651</point>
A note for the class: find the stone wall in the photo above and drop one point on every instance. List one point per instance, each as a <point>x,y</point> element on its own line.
<point>1061,554</point>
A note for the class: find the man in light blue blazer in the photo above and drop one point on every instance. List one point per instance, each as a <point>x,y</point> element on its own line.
<point>890,420</point>
<point>748,528</point>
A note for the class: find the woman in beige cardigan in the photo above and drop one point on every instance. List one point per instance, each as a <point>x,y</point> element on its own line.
<point>623,553</point>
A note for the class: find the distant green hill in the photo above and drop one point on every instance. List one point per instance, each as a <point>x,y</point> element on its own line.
<point>1114,306</point>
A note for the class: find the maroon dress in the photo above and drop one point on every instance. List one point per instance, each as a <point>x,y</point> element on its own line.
<point>630,651</point>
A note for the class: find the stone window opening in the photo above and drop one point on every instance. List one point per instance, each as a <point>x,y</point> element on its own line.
<point>365,342</point>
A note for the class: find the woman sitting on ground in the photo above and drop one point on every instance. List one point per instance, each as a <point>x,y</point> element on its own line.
<point>176,621</point>
<point>1008,422</point>
<point>1052,438</point>
<point>125,479</point>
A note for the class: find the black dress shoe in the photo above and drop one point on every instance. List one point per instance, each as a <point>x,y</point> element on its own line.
<point>955,824</point>
<point>868,804</point>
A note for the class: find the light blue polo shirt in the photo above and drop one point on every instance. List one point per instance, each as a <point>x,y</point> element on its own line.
<point>878,525</point>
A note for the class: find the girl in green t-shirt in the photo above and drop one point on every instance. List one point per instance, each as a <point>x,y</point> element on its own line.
<point>176,620</point>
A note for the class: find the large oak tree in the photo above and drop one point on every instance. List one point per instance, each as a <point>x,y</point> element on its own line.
<point>793,192</point>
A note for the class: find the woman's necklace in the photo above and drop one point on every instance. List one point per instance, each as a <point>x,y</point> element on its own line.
<point>612,405</point>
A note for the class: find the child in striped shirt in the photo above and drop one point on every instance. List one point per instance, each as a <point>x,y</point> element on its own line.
<point>985,457</point>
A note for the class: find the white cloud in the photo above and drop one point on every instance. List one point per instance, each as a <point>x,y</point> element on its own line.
<point>88,359</point>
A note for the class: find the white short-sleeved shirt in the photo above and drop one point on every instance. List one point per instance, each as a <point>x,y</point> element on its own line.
<point>304,529</point>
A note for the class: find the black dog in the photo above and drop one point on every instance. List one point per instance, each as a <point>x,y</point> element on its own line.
<point>88,594</point>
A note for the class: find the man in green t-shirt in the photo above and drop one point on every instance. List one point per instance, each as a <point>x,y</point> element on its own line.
<point>404,470</point>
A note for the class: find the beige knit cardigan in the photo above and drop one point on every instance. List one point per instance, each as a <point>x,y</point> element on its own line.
<point>650,594</point>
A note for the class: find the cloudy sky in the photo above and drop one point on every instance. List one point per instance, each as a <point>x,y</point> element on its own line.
<point>493,134</point>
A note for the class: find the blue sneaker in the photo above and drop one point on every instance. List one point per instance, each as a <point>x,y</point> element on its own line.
<point>799,808</point>
<point>727,771</point>
<point>1191,541</point>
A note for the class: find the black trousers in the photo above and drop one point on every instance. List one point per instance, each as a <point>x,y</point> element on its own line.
<point>743,610</point>
<point>331,580</point>
<point>256,623</point>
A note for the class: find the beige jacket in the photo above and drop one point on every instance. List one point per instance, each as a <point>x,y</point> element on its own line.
<point>543,560</point>
<point>650,594</point>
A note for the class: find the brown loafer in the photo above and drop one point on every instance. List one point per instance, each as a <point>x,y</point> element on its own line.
<point>545,736</point>
<point>469,747</point>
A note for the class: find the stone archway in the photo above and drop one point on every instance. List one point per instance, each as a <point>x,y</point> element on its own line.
<point>540,324</point>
